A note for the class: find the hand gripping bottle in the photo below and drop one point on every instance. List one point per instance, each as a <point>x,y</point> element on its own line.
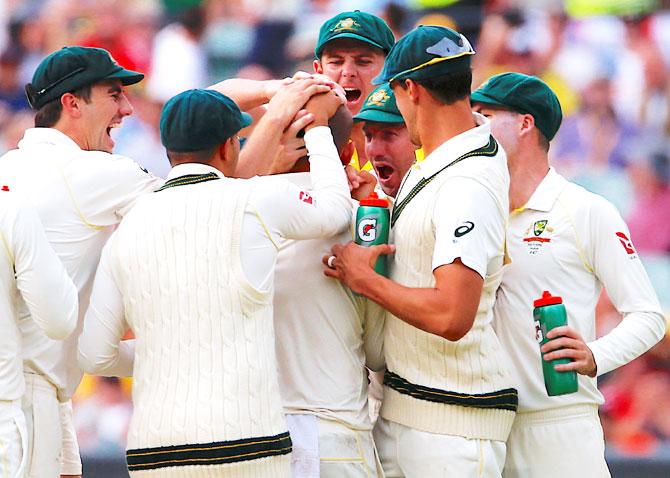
<point>372,227</point>
<point>549,312</point>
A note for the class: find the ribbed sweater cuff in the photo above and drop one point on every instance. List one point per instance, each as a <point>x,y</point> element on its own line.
<point>468,422</point>
<point>276,467</point>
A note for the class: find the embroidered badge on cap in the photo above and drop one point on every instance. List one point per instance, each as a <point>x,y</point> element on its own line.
<point>346,24</point>
<point>378,98</point>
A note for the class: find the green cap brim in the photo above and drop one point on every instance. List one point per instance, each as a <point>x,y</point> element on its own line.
<point>349,35</point>
<point>480,97</point>
<point>127,77</point>
<point>378,117</point>
<point>247,119</point>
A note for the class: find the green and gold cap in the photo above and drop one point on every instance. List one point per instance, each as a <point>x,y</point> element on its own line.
<point>380,107</point>
<point>426,52</point>
<point>71,68</point>
<point>196,120</point>
<point>358,25</point>
<point>523,94</point>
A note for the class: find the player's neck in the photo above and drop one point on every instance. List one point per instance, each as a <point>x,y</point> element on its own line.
<point>358,138</point>
<point>526,173</point>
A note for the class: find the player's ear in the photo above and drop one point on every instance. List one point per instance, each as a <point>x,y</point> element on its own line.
<point>527,124</point>
<point>317,66</point>
<point>412,88</point>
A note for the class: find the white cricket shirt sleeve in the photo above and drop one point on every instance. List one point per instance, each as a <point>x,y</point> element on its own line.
<point>374,318</point>
<point>41,278</point>
<point>292,213</point>
<point>618,267</point>
<point>112,190</point>
<point>101,350</point>
<point>468,225</point>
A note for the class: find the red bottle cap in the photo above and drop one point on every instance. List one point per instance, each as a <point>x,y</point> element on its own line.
<point>374,200</point>
<point>547,299</point>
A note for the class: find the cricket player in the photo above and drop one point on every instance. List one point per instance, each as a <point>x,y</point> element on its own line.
<point>350,50</point>
<point>391,153</point>
<point>65,169</point>
<point>326,338</point>
<point>191,272</point>
<point>387,142</point>
<point>449,401</point>
<point>568,241</point>
<point>32,278</point>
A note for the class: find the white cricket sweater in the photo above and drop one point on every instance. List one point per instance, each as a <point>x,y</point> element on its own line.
<point>471,390</point>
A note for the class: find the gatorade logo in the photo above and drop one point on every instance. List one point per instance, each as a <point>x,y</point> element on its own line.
<point>367,229</point>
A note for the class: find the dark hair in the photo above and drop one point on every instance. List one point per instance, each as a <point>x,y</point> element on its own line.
<point>204,156</point>
<point>544,142</point>
<point>49,114</point>
<point>448,88</point>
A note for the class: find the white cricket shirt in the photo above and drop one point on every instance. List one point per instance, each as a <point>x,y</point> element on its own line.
<point>322,331</point>
<point>32,278</point>
<point>571,243</point>
<point>79,196</point>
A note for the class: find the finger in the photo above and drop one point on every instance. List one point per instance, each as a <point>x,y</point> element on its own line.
<point>569,367</point>
<point>315,90</point>
<point>562,342</point>
<point>301,75</point>
<point>563,331</point>
<point>564,353</point>
<point>334,273</point>
<point>384,249</point>
<point>299,124</point>
<point>324,259</point>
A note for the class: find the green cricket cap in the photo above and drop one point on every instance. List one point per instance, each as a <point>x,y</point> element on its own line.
<point>523,94</point>
<point>358,25</point>
<point>380,106</point>
<point>196,120</point>
<point>74,67</point>
<point>426,52</point>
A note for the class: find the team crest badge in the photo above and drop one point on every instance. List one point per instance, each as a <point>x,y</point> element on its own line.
<point>537,240</point>
<point>378,98</point>
<point>539,226</point>
<point>346,24</point>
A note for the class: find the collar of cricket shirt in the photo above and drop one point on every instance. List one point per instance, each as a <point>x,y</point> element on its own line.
<point>455,147</point>
<point>547,192</point>
<point>51,136</point>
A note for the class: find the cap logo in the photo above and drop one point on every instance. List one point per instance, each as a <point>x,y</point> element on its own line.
<point>378,98</point>
<point>441,48</point>
<point>346,24</point>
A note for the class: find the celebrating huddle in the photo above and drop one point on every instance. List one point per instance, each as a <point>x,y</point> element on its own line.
<point>260,331</point>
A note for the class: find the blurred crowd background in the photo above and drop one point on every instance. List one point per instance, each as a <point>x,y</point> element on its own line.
<point>608,61</point>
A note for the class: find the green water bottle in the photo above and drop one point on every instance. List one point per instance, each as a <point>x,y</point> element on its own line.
<point>549,312</point>
<point>372,227</point>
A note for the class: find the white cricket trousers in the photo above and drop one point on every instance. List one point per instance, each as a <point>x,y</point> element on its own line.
<point>42,412</point>
<point>13,440</point>
<point>407,452</point>
<point>567,441</point>
<point>330,449</point>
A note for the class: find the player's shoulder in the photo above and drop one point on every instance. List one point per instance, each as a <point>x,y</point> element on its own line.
<point>585,200</point>
<point>108,166</point>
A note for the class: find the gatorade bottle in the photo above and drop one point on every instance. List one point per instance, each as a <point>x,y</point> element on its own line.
<point>549,313</point>
<point>372,227</point>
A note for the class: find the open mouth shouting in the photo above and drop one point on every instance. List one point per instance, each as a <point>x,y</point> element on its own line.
<point>353,94</point>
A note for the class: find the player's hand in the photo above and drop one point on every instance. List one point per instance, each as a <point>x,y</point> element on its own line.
<point>565,342</point>
<point>353,264</point>
<point>361,183</point>
<point>292,147</point>
<point>323,106</point>
<point>290,99</point>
